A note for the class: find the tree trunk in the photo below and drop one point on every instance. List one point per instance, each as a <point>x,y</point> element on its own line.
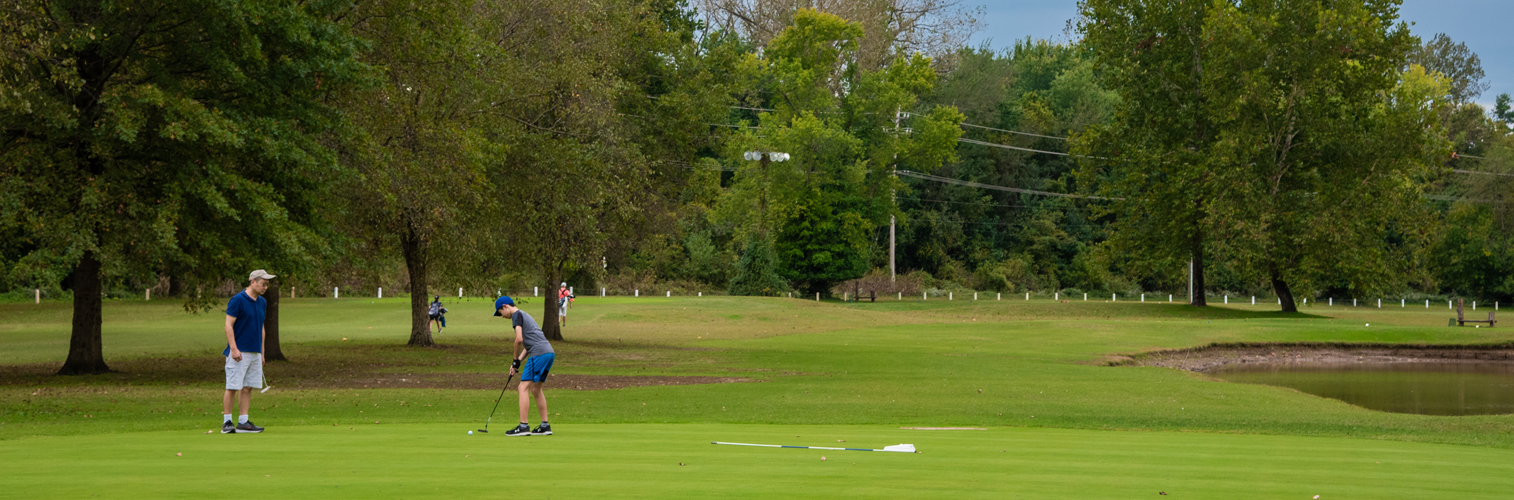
<point>175,285</point>
<point>1198,268</point>
<point>415,263</point>
<point>549,324</point>
<point>1284,295</point>
<point>85,352</point>
<point>271,349</point>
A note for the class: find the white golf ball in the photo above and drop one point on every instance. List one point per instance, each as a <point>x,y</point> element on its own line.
<point>1369,324</point>
<point>470,433</point>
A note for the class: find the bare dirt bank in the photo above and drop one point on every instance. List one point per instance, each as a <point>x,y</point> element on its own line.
<point>1215,355</point>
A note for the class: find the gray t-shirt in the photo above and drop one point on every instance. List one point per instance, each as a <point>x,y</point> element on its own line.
<point>530,334</point>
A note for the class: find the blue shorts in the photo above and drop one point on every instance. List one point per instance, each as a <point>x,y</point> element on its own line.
<point>537,368</point>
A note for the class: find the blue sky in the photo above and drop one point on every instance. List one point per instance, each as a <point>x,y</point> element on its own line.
<point>1481,24</point>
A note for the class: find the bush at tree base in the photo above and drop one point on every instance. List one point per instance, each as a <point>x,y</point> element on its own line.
<point>756,273</point>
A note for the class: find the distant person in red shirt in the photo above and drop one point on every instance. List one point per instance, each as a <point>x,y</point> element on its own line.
<point>564,299</point>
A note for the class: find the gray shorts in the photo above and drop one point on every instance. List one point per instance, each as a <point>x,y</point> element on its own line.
<point>562,308</point>
<point>245,373</point>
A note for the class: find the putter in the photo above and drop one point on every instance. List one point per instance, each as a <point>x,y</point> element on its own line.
<point>502,390</point>
<point>266,387</point>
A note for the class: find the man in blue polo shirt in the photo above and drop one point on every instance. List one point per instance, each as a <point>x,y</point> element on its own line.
<point>530,342</point>
<point>244,350</point>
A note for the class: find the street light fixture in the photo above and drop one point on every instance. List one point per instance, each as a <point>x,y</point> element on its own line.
<point>772,156</point>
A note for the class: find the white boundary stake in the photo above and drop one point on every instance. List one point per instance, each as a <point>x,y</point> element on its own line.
<point>901,448</point>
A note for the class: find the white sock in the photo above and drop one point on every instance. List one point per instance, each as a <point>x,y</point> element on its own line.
<point>225,417</point>
<point>242,419</point>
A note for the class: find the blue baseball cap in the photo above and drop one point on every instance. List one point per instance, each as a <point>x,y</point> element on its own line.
<point>500,302</point>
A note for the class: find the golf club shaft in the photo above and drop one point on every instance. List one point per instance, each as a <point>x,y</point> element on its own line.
<point>496,402</point>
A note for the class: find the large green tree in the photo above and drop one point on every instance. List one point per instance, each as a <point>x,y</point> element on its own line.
<point>143,136</point>
<point>575,183</point>
<point>1156,55</point>
<point>421,144</point>
<point>1314,151</point>
<point>1332,145</point>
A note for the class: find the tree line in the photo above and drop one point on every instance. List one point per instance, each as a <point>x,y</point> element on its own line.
<point>739,146</point>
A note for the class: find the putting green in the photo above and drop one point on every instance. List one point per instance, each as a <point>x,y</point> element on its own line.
<point>643,461</point>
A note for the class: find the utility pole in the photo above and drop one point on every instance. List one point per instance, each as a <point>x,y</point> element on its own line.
<point>893,195</point>
<point>763,158</point>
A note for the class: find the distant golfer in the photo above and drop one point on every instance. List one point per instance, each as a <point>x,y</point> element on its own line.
<point>530,344</point>
<point>244,350</point>
<point>437,313</point>
<point>564,300</point>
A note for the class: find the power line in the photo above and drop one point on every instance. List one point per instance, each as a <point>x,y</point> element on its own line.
<point>965,203</point>
<point>910,114</point>
<point>1460,171</point>
<point>1006,146</point>
<point>949,180</point>
<point>977,126</point>
<point>1441,197</point>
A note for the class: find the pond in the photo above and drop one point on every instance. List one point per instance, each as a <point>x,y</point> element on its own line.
<point>1426,388</point>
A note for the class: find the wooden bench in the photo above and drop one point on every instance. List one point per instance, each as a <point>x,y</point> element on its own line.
<point>1461,319</point>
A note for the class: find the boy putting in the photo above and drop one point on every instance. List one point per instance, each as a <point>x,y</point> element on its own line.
<point>244,350</point>
<point>530,344</point>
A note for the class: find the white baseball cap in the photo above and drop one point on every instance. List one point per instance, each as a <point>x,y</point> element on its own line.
<point>564,283</point>
<point>259,274</point>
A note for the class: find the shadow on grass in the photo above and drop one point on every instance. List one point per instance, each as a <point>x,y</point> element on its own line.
<point>369,363</point>
<point>1074,309</point>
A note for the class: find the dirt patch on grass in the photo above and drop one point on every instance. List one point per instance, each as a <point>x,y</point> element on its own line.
<point>480,364</point>
<point>493,381</point>
<point>1212,356</point>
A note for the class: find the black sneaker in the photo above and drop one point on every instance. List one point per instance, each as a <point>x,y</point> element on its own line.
<point>249,427</point>
<point>543,430</point>
<point>228,427</point>
<point>519,430</point>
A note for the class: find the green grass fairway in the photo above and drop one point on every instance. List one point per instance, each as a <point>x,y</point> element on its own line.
<point>1059,423</point>
<point>643,461</point>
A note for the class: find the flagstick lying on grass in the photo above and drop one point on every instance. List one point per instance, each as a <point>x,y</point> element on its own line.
<point>901,448</point>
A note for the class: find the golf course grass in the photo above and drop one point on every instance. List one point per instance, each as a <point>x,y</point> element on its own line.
<point>1056,422</point>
